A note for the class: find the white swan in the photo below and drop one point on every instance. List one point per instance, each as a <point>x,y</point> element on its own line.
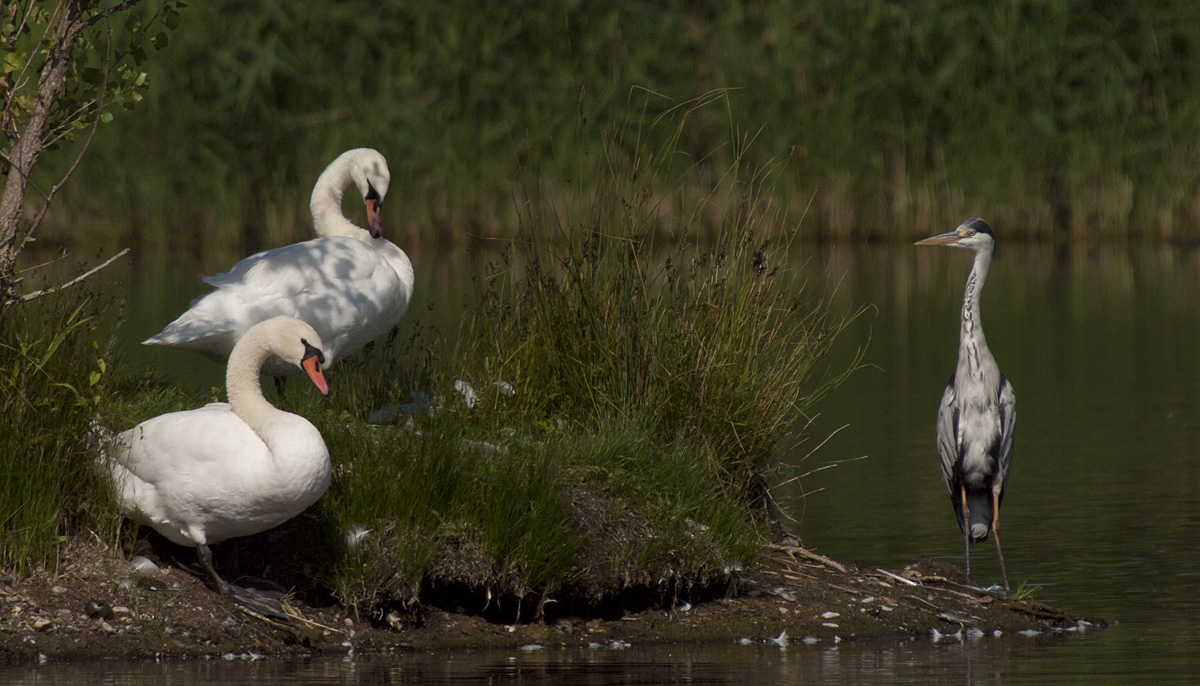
<point>228,469</point>
<point>350,284</point>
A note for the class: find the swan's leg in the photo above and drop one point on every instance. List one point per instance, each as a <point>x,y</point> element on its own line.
<point>996,534</point>
<point>206,561</point>
<point>248,598</point>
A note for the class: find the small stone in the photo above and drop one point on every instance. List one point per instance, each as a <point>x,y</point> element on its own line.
<point>151,583</point>
<point>58,590</point>
<point>107,628</point>
<point>41,623</point>
<point>97,608</point>
<point>121,610</point>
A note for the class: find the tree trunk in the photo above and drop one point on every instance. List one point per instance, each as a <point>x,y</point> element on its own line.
<point>29,143</point>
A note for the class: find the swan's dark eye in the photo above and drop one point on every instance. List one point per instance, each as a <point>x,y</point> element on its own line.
<point>311,350</point>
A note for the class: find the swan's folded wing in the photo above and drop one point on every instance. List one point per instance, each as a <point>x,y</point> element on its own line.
<point>337,285</point>
<point>184,446</point>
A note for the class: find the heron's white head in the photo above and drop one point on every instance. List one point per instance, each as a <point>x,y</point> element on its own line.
<point>973,234</point>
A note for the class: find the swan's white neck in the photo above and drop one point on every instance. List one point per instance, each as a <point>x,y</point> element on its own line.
<point>326,203</point>
<point>242,381</point>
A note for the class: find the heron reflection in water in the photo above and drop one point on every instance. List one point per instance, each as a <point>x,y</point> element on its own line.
<point>977,417</point>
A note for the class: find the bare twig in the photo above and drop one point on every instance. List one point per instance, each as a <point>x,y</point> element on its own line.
<point>54,289</point>
<point>806,553</point>
<point>87,144</point>
<point>897,577</point>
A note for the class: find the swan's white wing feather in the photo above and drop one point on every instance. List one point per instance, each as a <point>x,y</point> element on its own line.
<point>347,291</point>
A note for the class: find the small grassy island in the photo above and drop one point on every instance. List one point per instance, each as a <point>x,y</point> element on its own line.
<point>599,442</point>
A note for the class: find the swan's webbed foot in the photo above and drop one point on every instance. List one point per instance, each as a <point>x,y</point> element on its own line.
<point>262,598</point>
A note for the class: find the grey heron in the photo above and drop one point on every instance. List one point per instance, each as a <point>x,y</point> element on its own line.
<point>977,417</point>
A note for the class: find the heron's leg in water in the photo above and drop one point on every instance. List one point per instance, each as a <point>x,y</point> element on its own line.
<point>996,533</point>
<point>966,518</point>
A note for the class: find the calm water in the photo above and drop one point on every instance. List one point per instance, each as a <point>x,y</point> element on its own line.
<point>1101,345</point>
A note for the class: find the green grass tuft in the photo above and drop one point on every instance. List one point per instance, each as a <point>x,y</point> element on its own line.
<point>653,384</point>
<point>54,374</point>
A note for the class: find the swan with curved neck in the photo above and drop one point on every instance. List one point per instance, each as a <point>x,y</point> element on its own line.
<point>232,469</point>
<point>350,284</point>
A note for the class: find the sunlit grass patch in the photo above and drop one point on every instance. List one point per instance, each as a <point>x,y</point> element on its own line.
<point>628,401</point>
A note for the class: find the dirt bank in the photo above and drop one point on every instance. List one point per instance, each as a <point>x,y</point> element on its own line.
<point>98,605</point>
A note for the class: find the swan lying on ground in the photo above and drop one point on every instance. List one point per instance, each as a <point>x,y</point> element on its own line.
<point>232,469</point>
<point>350,284</point>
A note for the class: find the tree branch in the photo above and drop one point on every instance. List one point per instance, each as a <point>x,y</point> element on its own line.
<point>103,14</point>
<point>87,144</point>
<point>13,300</point>
<point>24,154</point>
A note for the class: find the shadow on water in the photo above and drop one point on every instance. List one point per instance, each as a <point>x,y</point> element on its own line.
<point>1100,344</point>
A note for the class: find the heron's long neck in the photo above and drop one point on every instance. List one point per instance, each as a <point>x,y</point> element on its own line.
<point>972,347</point>
<point>326,203</point>
<point>242,382</point>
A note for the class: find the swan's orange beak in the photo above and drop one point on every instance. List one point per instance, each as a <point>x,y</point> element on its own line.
<point>311,364</point>
<point>374,211</point>
<point>374,220</point>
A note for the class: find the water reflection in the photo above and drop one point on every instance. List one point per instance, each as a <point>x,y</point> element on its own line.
<point>981,661</point>
<point>1101,345</point>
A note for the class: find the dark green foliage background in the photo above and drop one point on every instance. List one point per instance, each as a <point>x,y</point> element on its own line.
<point>1070,118</point>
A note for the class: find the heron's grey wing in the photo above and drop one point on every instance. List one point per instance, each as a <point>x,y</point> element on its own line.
<point>1008,427</point>
<point>947,435</point>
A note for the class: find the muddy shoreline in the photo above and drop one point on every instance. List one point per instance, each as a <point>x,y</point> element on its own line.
<point>100,606</point>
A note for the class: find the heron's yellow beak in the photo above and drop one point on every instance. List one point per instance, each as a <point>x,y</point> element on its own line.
<point>952,237</point>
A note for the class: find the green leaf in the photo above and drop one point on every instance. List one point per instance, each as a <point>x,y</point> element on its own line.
<point>92,75</point>
<point>14,61</point>
<point>106,117</point>
<point>160,40</point>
